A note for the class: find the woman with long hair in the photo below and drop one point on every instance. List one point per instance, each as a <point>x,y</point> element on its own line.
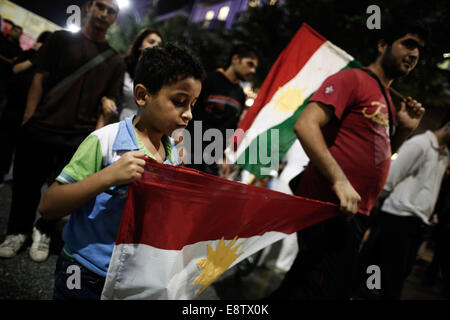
<point>146,38</point>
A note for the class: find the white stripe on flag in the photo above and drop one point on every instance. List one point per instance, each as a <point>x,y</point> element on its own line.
<point>326,61</point>
<point>139,271</point>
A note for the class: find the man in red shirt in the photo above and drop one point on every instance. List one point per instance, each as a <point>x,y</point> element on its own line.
<point>347,130</point>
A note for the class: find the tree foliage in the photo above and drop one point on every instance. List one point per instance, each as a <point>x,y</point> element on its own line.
<point>269,28</point>
<point>210,47</point>
<point>344,24</point>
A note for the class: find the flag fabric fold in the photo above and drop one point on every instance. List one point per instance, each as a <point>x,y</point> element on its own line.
<point>297,73</point>
<point>182,229</point>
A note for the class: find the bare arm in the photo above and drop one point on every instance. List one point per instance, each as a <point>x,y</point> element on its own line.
<point>61,199</point>
<point>308,130</point>
<point>34,96</point>
<point>101,122</point>
<point>10,61</point>
<point>109,109</point>
<point>22,66</point>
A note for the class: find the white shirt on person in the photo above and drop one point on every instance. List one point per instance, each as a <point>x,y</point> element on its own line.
<point>415,177</point>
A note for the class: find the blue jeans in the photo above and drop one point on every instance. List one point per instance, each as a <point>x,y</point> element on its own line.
<point>91,284</point>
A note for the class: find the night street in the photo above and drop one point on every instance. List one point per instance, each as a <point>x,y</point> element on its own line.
<point>23,279</point>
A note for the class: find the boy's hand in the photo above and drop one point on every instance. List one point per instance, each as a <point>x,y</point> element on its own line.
<point>128,168</point>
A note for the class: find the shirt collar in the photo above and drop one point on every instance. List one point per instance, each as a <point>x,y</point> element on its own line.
<point>435,143</point>
<point>222,71</point>
<point>126,138</point>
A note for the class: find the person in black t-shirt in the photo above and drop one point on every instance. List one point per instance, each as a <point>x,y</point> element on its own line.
<point>17,90</point>
<point>221,104</point>
<point>56,122</point>
<point>10,51</point>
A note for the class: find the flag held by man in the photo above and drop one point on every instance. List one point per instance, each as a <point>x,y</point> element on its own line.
<point>297,73</point>
<point>182,229</point>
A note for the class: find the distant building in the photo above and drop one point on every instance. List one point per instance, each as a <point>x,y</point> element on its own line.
<point>210,14</point>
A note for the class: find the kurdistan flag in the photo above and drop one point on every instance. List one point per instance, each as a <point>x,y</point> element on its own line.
<point>298,72</point>
<point>181,229</point>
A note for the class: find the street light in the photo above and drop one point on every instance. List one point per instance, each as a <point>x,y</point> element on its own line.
<point>73,28</point>
<point>123,4</point>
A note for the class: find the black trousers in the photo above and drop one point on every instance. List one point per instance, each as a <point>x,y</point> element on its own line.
<point>326,265</point>
<point>10,121</point>
<point>36,162</point>
<point>392,245</point>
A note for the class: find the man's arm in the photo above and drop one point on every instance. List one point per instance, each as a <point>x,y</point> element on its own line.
<point>109,109</point>
<point>34,95</point>
<point>308,130</point>
<point>22,66</point>
<point>111,95</point>
<point>10,61</point>
<point>409,117</point>
<point>61,199</point>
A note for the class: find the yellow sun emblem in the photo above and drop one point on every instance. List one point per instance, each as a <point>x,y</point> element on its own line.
<point>216,263</point>
<point>289,99</point>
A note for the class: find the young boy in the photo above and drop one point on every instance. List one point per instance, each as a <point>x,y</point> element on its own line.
<point>92,187</point>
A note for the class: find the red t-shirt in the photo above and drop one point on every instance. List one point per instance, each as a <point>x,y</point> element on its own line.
<point>357,137</point>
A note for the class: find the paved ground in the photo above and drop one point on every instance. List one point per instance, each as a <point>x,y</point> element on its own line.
<point>23,279</point>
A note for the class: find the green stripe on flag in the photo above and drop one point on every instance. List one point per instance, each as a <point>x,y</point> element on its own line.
<point>259,161</point>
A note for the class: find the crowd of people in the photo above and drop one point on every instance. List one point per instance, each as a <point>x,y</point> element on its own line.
<point>87,118</point>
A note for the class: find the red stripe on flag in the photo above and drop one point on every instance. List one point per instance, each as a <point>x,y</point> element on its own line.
<point>171,207</point>
<point>291,60</point>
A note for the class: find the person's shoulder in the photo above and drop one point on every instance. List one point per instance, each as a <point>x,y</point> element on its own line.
<point>215,74</point>
<point>109,130</point>
<point>116,57</point>
<point>419,141</point>
<point>115,52</point>
<point>354,73</point>
<point>346,77</point>
<point>426,138</point>
<point>62,34</point>
<point>420,137</point>
<point>351,77</point>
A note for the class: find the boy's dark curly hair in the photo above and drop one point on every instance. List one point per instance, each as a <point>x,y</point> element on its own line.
<point>165,65</point>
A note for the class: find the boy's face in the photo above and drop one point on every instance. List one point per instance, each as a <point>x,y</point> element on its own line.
<point>171,107</point>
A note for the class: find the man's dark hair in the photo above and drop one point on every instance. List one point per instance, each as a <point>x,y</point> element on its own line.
<point>243,51</point>
<point>17,27</point>
<point>166,65</point>
<point>43,37</point>
<point>399,28</point>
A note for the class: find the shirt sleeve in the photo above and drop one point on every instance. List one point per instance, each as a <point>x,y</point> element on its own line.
<point>338,91</point>
<point>86,161</point>
<point>409,160</point>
